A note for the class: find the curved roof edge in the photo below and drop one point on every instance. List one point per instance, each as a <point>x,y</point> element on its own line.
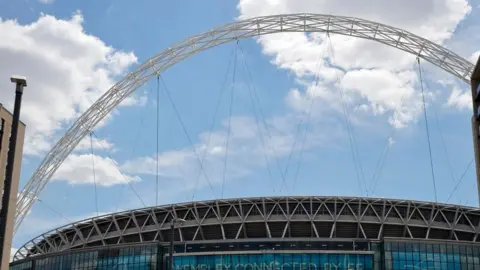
<point>274,198</point>
<point>453,222</point>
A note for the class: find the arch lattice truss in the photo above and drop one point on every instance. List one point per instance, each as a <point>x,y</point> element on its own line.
<point>253,27</point>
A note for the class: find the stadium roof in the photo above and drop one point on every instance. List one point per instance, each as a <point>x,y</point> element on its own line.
<point>266,218</point>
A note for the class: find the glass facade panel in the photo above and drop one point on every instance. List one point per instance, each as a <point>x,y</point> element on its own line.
<point>441,256</point>
<point>22,266</point>
<point>424,260</point>
<point>111,258</point>
<point>275,261</point>
<point>388,255</point>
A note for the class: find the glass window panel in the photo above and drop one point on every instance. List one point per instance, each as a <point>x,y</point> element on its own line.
<point>418,255</point>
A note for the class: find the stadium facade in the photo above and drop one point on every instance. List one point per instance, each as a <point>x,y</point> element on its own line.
<point>272,233</point>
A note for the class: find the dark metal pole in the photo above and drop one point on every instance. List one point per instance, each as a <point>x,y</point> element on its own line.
<point>20,83</point>
<point>170,251</point>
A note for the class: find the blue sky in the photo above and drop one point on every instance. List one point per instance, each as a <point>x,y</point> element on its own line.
<point>73,51</point>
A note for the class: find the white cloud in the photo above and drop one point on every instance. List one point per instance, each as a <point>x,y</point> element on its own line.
<point>299,53</point>
<point>78,169</point>
<point>368,82</point>
<point>245,152</point>
<point>474,57</point>
<point>12,253</point>
<point>66,68</point>
<point>135,101</point>
<point>375,77</point>
<point>183,163</point>
<point>386,91</point>
<point>98,144</point>
<point>460,99</point>
<point>46,1</point>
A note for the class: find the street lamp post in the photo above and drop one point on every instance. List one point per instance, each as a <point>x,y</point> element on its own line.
<point>20,83</point>
<point>172,240</point>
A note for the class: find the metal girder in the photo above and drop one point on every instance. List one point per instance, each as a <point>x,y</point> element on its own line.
<point>348,26</point>
<point>266,218</point>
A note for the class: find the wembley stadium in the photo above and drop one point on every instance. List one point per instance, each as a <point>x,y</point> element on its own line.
<point>267,233</point>
<point>262,233</point>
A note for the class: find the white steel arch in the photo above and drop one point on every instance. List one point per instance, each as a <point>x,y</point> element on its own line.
<point>348,26</point>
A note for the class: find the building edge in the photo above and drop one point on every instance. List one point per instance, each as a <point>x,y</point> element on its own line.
<point>6,118</point>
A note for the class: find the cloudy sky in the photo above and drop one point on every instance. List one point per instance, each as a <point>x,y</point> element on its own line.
<point>282,114</point>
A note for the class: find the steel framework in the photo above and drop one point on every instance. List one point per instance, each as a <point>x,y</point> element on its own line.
<point>266,218</point>
<point>348,26</point>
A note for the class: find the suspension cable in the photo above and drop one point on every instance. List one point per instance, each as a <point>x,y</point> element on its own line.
<point>94,176</point>
<point>264,122</point>
<point>460,179</point>
<point>381,162</point>
<point>297,133</point>
<point>447,156</point>
<point>212,126</point>
<point>184,183</point>
<point>66,202</point>
<point>118,168</point>
<point>119,197</point>
<point>55,211</point>
<point>351,135</point>
<point>202,168</point>
<point>442,137</point>
<point>386,149</point>
<point>229,123</point>
<point>428,132</point>
<point>309,116</point>
<point>257,122</point>
<point>158,130</point>
<point>136,138</point>
<point>283,173</point>
<point>445,150</point>
<point>302,147</point>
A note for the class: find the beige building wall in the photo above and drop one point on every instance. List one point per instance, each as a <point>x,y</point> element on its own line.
<point>5,128</point>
